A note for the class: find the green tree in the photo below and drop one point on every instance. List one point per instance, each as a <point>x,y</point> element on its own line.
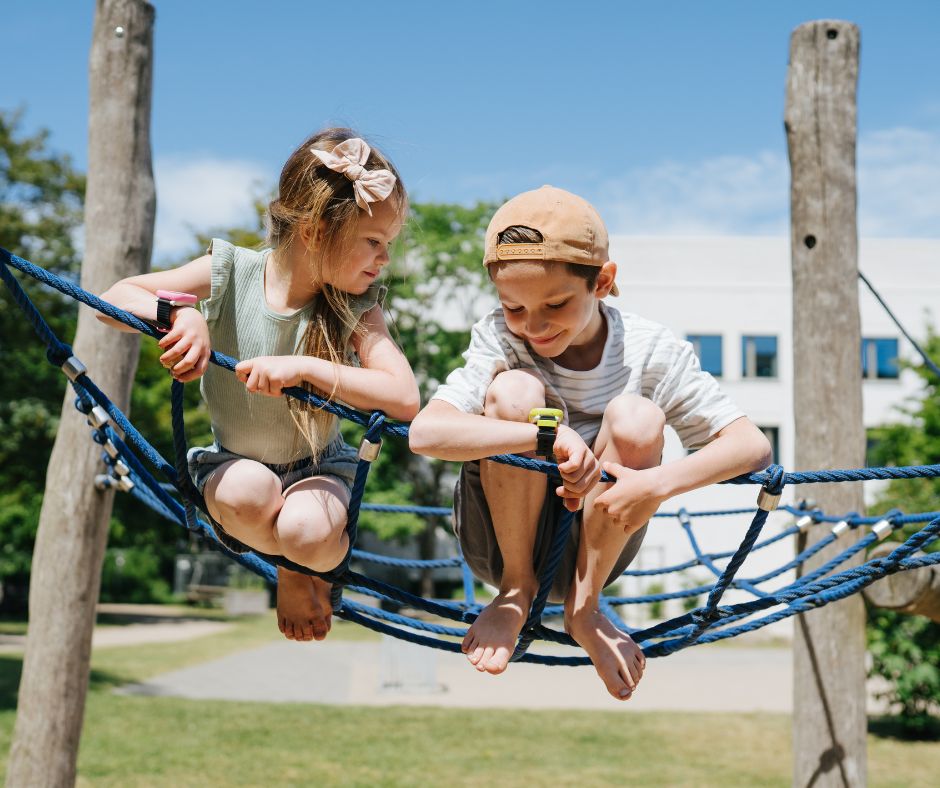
<point>906,649</point>
<point>41,197</point>
<point>435,288</point>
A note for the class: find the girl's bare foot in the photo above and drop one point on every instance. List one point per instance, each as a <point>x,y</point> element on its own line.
<point>303,606</point>
<point>618,660</point>
<point>491,639</point>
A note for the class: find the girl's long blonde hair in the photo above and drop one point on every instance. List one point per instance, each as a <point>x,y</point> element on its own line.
<point>314,198</point>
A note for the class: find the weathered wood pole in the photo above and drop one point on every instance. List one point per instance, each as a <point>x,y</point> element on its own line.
<point>73,524</point>
<point>916,591</point>
<point>829,722</point>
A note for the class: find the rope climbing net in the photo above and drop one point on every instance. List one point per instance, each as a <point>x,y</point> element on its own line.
<point>127,455</point>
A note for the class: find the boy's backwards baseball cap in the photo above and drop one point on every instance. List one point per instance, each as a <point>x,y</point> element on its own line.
<point>572,231</point>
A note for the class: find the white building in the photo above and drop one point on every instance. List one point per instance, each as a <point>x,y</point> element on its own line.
<point>732,297</point>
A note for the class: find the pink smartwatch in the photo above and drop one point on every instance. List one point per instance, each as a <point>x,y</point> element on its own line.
<point>166,300</point>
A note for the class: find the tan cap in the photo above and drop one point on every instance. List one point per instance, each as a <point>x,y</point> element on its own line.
<point>572,231</point>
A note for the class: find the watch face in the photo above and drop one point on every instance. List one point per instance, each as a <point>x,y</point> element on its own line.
<point>178,297</point>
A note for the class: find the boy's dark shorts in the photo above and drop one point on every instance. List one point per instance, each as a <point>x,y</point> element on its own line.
<point>474,528</point>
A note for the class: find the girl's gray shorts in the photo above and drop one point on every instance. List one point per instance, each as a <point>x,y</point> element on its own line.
<point>338,459</point>
<point>474,528</point>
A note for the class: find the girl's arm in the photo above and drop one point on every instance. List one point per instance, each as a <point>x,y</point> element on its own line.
<point>186,344</point>
<point>384,381</point>
<point>138,294</point>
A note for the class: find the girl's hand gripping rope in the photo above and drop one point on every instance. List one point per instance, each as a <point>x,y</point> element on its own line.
<point>186,345</point>
<point>268,375</point>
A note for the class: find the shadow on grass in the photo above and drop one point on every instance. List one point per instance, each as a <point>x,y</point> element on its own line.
<point>11,668</point>
<point>920,728</point>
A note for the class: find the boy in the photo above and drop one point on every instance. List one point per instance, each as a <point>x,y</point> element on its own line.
<point>618,380</point>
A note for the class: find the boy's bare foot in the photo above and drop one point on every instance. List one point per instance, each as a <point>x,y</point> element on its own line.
<point>618,660</point>
<point>491,639</point>
<point>303,606</point>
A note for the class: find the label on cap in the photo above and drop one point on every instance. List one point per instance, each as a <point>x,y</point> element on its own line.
<point>516,251</point>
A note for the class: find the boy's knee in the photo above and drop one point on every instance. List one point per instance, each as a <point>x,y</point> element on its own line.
<point>512,394</point>
<point>636,425</point>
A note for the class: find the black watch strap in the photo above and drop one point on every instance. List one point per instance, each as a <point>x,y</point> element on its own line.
<point>545,443</point>
<point>163,314</point>
<point>547,421</point>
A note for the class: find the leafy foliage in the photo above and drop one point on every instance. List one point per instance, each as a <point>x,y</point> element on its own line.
<point>40,211</point>
<point>906,649</point>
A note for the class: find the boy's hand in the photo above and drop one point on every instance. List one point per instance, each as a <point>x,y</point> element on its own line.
<point>578,467</point>
<point>269,374</point>
<point>186,345</point>
<point>632,499</point>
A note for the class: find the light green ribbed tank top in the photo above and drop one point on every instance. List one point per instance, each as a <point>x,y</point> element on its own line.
<point>241,324</point>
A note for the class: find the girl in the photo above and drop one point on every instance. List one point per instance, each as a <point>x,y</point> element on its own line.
<point>303,312</point>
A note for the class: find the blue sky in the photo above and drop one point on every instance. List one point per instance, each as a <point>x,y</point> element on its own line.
<point>668,116</point>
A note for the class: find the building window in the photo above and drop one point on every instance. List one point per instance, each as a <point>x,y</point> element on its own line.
<point>879,358</point>
<point>708,349</point>
<point>759,357</point>
<point>773,435</point>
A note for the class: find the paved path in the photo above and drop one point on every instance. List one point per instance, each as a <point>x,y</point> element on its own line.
<point>133,634</point>
<point>396,673</point>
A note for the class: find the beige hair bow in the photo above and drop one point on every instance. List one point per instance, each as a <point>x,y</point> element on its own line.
<point>349,158</point>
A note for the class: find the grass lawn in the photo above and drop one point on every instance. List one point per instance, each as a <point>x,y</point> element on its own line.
<point>139,741</point>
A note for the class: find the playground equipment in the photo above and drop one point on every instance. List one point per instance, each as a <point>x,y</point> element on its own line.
<point>823,73</point>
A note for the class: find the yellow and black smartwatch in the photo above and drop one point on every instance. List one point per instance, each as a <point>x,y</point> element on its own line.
<point>547,420</point>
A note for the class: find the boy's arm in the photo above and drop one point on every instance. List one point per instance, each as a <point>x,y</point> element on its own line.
<point>384,381</point>
<point>736,449</point>
<point>440,430</point>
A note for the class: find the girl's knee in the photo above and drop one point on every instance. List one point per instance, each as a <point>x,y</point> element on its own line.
<point>512,394</point>
<point>635,424</point>
<point>313,536</point>
<point>246,492</point>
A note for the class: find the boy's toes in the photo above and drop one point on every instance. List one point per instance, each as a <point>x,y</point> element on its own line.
<point>304,631</point>
<point>639,663</point>
<point>320,629</point>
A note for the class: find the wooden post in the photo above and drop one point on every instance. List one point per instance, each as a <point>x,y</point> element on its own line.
<point>916,591</point>
<point>73,525</point>
<point>829,722</point>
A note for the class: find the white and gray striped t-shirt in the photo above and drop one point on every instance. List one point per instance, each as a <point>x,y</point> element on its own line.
<point>640,357</point>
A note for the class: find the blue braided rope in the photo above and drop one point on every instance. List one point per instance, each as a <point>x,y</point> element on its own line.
<point>191,495</point>
<point>401,430</point>
<point>705,561</point>
<point>813,589</point>
<point>563,527</point>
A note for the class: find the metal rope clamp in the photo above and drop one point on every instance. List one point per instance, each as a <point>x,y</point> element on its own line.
<point>803,523</point>
<point>98,417</point>
<point>767,500</point>
<point>111,450</point>
<point>840,528</point>
<point>73,368</point>
<point>369,451</point>
<point>882,529</point>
